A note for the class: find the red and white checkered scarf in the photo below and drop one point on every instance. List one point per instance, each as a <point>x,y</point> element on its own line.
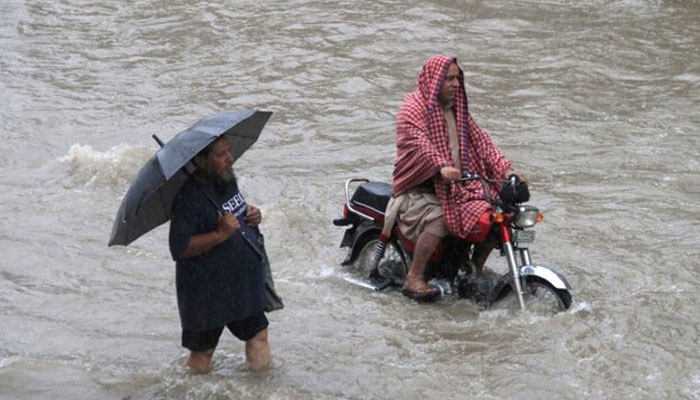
<point>422,148</point>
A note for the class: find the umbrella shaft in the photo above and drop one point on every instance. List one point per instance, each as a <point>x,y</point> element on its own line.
<point>251,244</point>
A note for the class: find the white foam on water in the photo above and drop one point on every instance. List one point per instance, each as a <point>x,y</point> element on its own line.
<point>5,362</point>
<point>579,307</point>
<point>91,168</point>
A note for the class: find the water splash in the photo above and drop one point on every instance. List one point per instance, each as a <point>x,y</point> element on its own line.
<point>115,167</point>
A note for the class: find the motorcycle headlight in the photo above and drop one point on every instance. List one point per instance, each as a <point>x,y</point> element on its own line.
<point>527,217</point>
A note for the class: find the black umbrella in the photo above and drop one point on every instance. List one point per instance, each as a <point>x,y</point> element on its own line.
<point>148,200</point>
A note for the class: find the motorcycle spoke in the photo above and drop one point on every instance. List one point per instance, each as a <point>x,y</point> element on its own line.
<point>542,299</point>
<point>392,265</point>
<point>539,297</point>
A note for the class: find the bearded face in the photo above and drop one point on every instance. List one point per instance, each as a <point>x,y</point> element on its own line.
<point>220,178</point>
<point>217,166</point>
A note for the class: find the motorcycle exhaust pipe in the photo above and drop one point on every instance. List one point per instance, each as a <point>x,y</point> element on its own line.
<point>361,283</point>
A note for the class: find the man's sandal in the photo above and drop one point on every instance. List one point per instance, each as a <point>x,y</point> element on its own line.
<point>427,295</point>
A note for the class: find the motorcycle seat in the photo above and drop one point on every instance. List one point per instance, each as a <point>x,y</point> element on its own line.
<point>373,195</point>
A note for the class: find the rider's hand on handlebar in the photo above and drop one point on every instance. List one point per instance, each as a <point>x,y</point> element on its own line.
<point>519,174</point>
<point>450,173</point>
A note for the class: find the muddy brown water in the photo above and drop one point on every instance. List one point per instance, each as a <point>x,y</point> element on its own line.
<point>596,101</point>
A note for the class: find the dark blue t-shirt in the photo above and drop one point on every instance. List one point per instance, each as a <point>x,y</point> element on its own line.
<point>225,283</point>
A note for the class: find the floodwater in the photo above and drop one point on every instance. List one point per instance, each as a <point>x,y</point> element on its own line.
<point>598,102</point>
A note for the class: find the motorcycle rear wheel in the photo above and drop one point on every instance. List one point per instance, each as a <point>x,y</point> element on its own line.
<point>393,264</point>
<point>540,297</point>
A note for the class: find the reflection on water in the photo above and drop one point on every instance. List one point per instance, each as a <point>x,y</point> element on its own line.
<point>596,101</point>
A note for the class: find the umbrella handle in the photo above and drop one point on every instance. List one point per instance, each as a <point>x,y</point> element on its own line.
<point>241,222</point>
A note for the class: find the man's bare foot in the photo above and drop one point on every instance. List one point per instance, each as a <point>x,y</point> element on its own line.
<point>200,361</point>
<point>257,351</point>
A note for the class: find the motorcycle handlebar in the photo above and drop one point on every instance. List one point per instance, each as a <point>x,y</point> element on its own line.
<point>468,177</point>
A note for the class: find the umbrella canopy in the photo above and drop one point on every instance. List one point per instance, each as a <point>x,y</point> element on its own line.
<point>148,200</point>
<point>242,128</point>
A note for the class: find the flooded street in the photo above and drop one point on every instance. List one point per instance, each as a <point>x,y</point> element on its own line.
<point>596,102</point>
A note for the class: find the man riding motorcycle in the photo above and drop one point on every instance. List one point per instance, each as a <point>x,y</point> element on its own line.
<point>437,140</point>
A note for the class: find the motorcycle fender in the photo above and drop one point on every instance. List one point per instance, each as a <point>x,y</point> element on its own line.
<point>545,273</point>
<point>505,282</point>
<point>352,237</point>
<point>348,237</point>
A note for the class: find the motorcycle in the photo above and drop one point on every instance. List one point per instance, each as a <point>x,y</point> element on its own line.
<point>384,262</point>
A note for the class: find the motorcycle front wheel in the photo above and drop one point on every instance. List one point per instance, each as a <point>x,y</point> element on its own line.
<point>540,297</point>
<point>393,264</point>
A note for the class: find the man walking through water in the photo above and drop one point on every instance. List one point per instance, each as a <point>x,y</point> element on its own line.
<point>437,140</point>
<point>219,277</point>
